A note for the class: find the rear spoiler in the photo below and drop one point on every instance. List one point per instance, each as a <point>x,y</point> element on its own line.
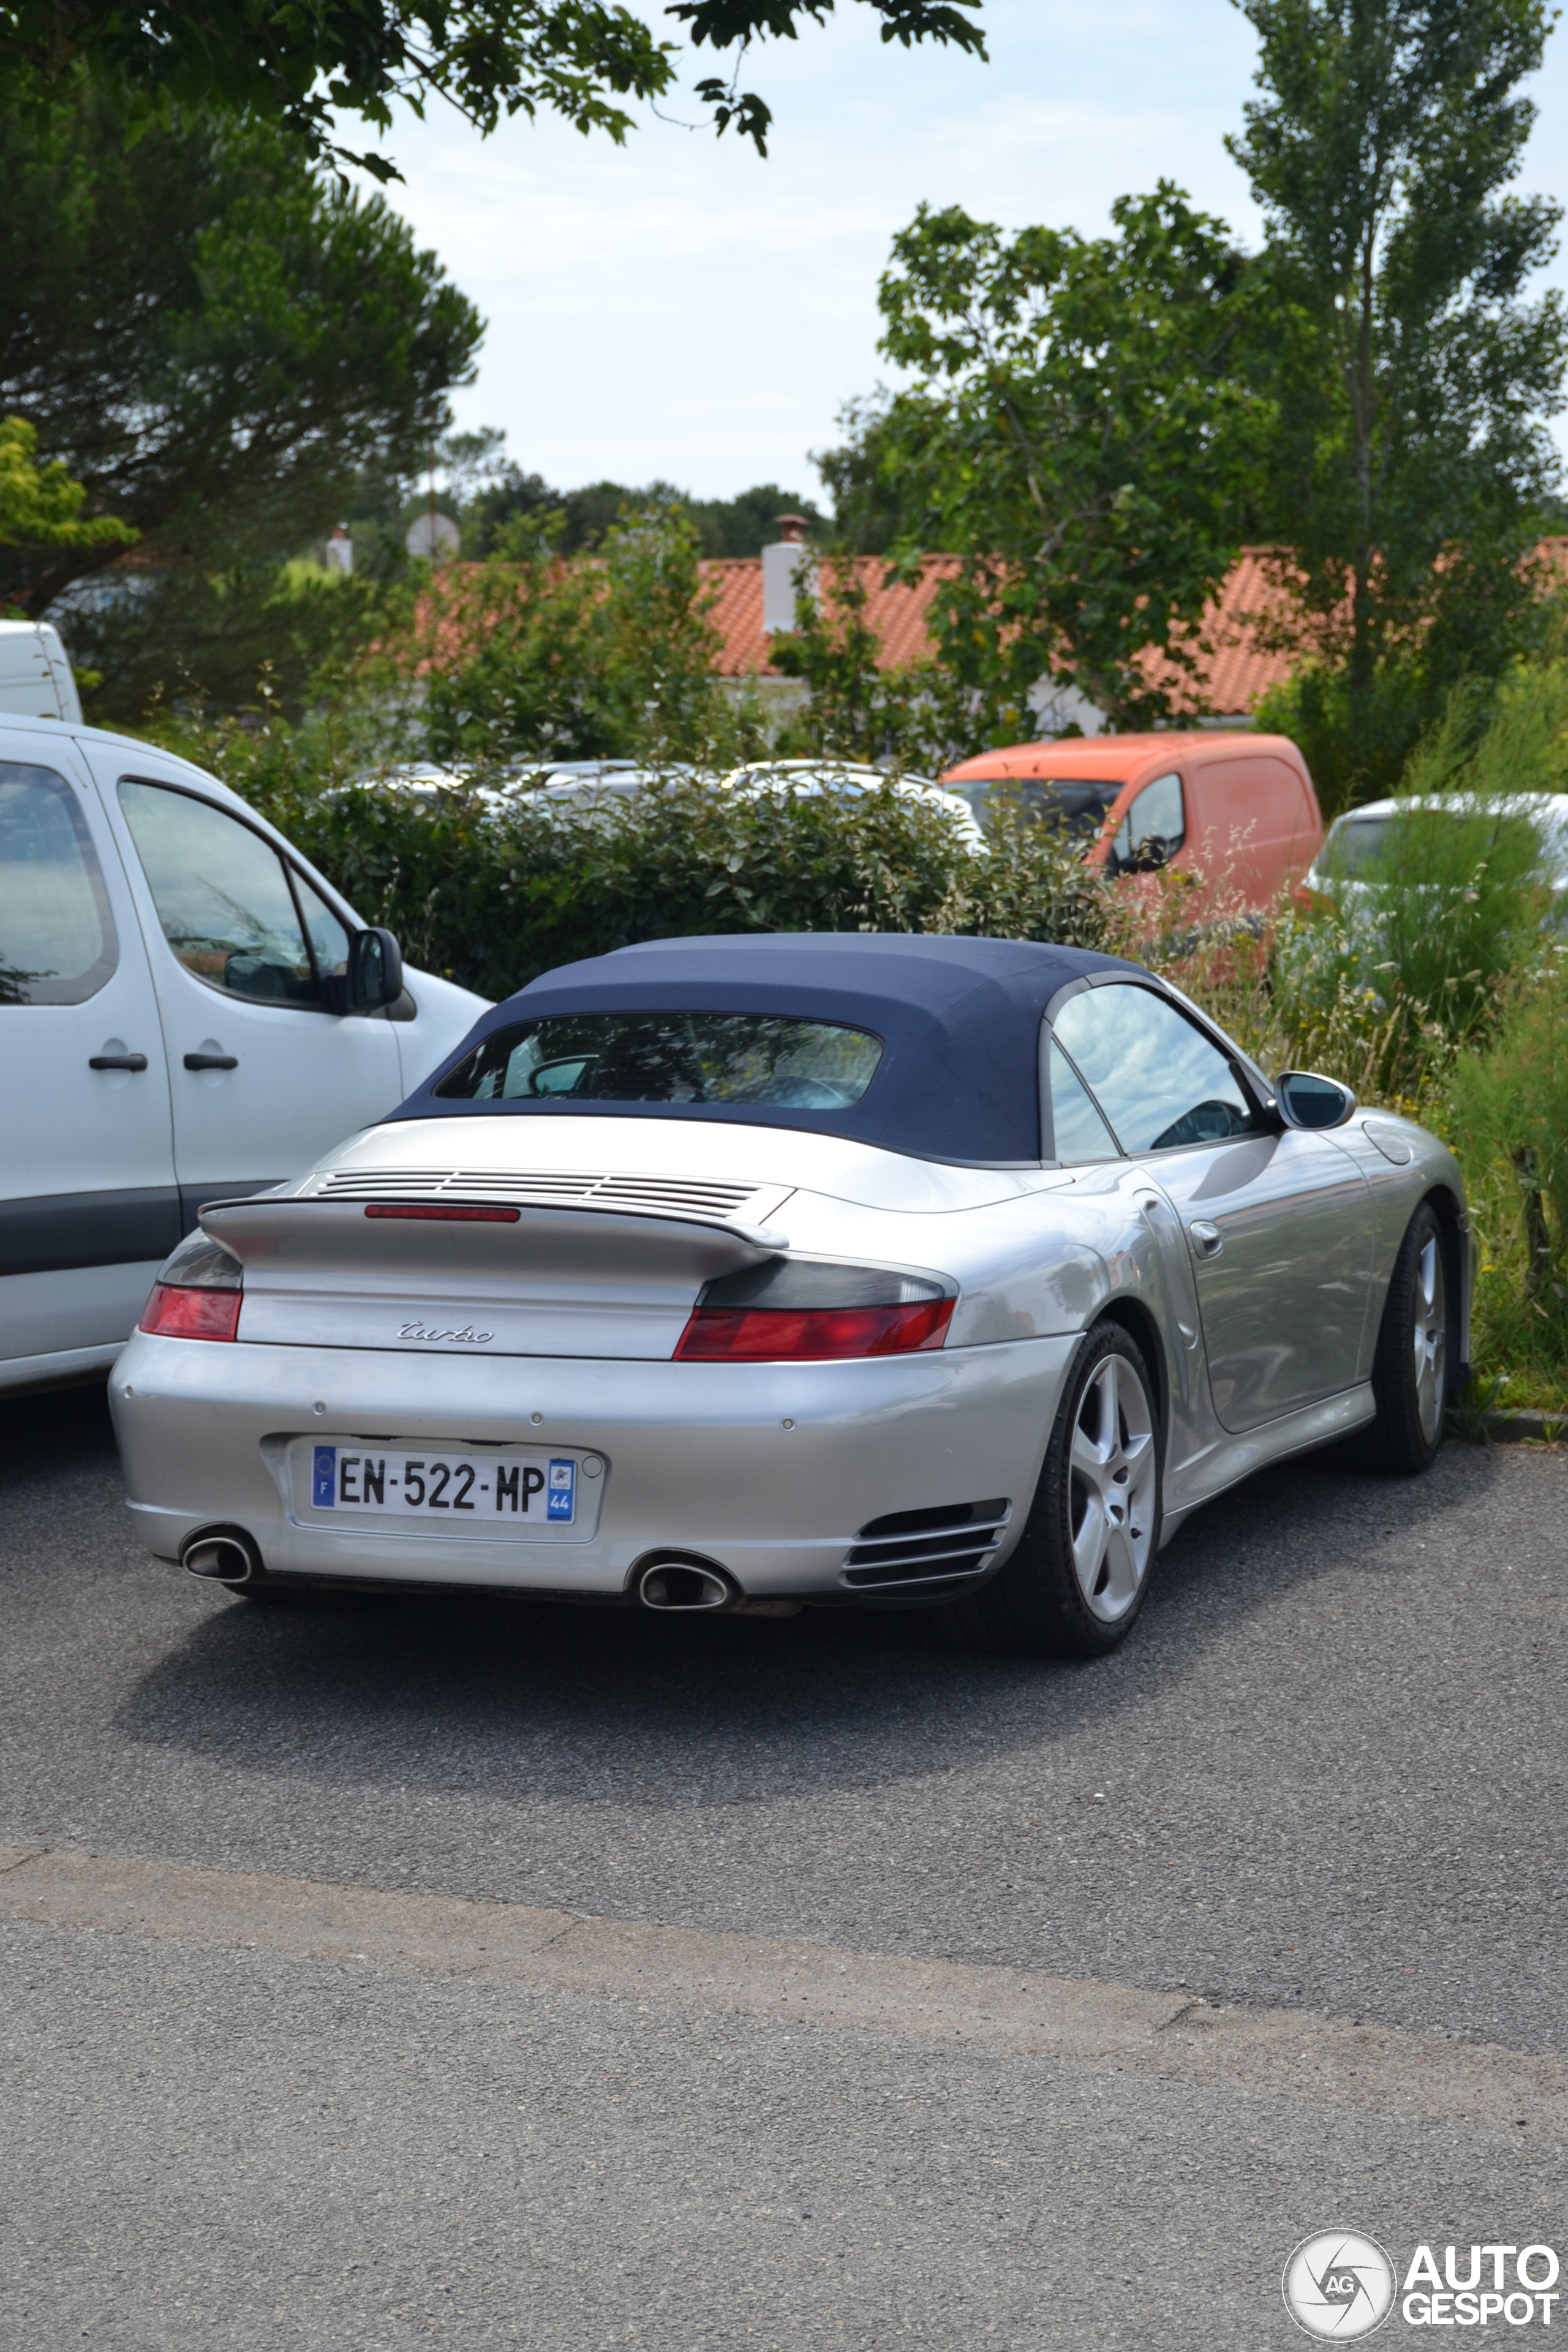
<point>290,1236</point>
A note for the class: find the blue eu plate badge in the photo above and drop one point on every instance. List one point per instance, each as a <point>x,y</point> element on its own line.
<point>324,1478</point>
<point>561,1495</point>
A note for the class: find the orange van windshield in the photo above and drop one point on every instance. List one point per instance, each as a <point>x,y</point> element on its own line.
<point>1077,805</point>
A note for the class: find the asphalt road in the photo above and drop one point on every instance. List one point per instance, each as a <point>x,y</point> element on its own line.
<point>1326,1774</point>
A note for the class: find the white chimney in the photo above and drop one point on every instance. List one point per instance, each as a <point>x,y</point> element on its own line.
<point>782,565</point>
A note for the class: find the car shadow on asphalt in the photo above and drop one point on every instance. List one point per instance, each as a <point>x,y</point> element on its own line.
<point>457,1691</point>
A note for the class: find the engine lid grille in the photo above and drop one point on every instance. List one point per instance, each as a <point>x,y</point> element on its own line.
<point>706,1200</point>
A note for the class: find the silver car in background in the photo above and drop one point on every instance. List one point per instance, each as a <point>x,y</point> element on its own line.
<point>1350,868</point>
<point>834,1270</point>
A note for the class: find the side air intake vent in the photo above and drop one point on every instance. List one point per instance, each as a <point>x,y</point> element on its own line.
<point>951,1541</point>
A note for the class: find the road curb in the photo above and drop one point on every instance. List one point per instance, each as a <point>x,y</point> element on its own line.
<point>984,2006</point>
<point>1525,1428</point>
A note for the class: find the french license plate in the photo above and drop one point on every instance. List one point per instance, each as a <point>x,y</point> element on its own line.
<point>519,1489</point>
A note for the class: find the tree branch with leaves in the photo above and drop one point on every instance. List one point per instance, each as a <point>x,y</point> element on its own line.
<point>41,506</point>
<point>1083,429</point>
<point>303,63</point>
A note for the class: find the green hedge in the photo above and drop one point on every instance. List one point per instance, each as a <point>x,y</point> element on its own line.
<point>492,902</point>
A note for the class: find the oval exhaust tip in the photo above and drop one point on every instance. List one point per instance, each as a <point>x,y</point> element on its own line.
<point>222,1556</point>
<point>683,1585</point>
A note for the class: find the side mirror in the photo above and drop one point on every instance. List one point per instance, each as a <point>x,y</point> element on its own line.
<point>1306,1100</point>
<point>373,977</point>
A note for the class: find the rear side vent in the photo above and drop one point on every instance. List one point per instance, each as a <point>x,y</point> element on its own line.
<point>948,1542</point>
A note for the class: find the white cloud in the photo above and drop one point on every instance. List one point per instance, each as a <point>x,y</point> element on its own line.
<point>680,309</point>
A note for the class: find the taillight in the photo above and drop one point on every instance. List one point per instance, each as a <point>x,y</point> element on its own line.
<point>177,1313</point>
<point>764,1333</point>
<point>198,1293</point>
<point>793,1309</point>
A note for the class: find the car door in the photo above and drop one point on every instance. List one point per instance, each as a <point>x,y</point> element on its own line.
<point>88,1204</point>
<point>264,1075</point>
<point>1279,1222</point>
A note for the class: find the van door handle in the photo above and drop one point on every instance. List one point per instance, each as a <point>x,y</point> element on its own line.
<point>1209,1239</point>
<point>117,1061</point>
<point>212,1061</point>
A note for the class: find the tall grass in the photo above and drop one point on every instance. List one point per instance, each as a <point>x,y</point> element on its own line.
<point>1505,1113</point>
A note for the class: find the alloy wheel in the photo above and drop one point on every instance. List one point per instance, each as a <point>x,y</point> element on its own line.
<point>1430,1336</point>
<point>1111,1489</point>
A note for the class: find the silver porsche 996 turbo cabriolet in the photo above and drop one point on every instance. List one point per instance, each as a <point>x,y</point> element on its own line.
<point>749,1273</point>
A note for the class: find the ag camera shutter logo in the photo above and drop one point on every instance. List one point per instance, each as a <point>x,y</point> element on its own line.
<point>1339,2285</point>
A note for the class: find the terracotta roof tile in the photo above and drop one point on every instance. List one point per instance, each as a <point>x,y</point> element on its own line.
<point>1236,668</point>
<point>898,614</point>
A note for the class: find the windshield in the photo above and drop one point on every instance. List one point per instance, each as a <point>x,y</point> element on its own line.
<point>1078,806</point>
<point>1355,844</point>
<point>676,1058</point>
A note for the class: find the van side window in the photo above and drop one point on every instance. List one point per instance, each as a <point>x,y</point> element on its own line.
<point>225,899</point>
<point>1153,828</point>
<point>328,936</point>
<point>57,935</point>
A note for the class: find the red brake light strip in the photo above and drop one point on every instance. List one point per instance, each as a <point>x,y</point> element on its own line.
<point>443,1215</point>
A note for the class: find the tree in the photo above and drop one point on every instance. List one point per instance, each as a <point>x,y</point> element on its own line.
<point>865,482</point>
<point>40,505</point>
<point>1083,431</point>
<point>912,716</point>
<point>1411,465</point>
<point>297,62</point>
<point>219,342</point>
<point>529,656</point>
<point>739,526</point>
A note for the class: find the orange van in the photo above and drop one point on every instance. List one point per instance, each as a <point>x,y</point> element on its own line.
<point>1238,808</point>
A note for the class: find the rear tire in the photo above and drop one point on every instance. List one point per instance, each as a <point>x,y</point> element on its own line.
<point>1076,1583</point>
<point>1410,1370</point>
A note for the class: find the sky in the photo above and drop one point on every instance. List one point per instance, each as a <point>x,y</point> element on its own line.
<point>679,310</point>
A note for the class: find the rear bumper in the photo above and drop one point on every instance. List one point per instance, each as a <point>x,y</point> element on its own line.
<point>769,1470</point>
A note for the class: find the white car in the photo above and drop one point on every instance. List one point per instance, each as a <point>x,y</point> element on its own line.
<point>849,780</point>
<point>1345,868</point>
<point>188,1011</point>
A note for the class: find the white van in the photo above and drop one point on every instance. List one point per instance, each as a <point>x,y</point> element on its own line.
<point>188,1012</point>
<point>35,680</point>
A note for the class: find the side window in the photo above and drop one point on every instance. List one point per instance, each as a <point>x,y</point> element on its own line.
<point>1153,828</point>
<point>1078,1131</point>
<point>224,898</point>
<point>328,936</point>
<point>1157,1078</point>
<point>57,935</point>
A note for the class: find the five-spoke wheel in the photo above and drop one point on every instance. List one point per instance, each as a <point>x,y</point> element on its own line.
<point>1076,1579</point>
<point>1410,1371</point>
<point>1112,1488</point>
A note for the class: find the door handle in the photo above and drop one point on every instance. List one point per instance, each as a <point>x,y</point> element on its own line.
<point>1210,1241</point>
<point>212,1061</point>
<point>117,1061</point>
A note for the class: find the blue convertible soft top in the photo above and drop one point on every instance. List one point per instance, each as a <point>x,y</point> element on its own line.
<point>959,1021</point>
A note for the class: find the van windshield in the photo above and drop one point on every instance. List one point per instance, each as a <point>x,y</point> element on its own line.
<point>1077,804</point>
